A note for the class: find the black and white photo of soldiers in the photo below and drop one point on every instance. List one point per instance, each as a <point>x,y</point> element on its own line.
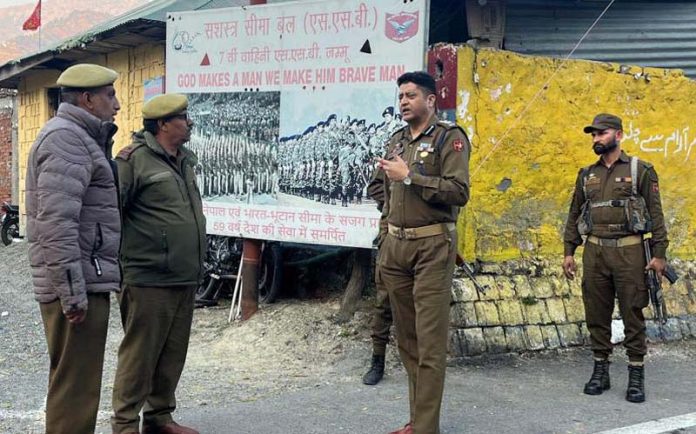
<point>331,162</point>
<point>235,137</point>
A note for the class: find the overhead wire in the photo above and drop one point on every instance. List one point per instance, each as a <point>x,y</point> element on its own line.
<point>541,90</point>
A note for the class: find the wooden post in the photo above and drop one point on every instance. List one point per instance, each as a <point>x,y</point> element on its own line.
<point>250,277</point>
<point>360,259</point>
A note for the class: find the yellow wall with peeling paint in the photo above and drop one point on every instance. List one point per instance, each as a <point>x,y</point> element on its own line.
<point>135,66</point>
<point>531,135</point>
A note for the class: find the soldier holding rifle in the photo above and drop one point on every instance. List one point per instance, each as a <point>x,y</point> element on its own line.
<point>615,203</point>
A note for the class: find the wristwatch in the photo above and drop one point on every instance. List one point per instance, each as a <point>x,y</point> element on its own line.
<point>407,180</point>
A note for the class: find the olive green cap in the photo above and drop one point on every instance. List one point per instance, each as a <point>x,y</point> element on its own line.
<point>604,121</point>
<point>163,106</point>
<point>87,75</point>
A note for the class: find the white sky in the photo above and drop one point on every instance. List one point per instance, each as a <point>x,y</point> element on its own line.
<point>6,3</point>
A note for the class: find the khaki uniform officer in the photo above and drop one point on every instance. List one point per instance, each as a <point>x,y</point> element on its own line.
<point>161,256</point>
<point>606,192</point>
<point>427,170</point>
<point>73,231</point>
<point>382,317</point>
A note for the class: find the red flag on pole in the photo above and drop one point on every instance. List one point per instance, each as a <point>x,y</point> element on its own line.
<point>34,20</point>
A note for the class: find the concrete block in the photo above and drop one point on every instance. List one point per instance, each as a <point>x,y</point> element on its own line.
<point>492,293</point>
<point>575,309</point>
<point>575,287</point>
<point>522,286</point>
<point>691,321</point>
<point>516,338</point>
<point>455,346</point>
<point>495,339</point>
<point>510,312</point>
<point>542,287</point>
<point>690,305</point>
<point>652,331</point>
<point>463,315</point>
<point>463,290</point>
<point>550,335</point>
<point>506,287</point>
<point>472,340</point>
<point>556,310</point>
<point>676,304</point>
<point>487,313</point>
<point>585,333</point>
<point>535,339</point>
<point>570,335</point>
<point>560,286</point>
<point>672,330</point>
<point>536,313</point>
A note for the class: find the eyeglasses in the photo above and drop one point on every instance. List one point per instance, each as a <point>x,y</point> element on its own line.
<point>183,116</point>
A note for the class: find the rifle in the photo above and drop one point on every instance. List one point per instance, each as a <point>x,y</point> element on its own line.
<point>470,274</point>
<point>655,285</point>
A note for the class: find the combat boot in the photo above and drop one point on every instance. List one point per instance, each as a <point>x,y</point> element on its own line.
<point>376,372</point>
<point>599,381</point>
<point>636,387</point>
<point>344,201</point>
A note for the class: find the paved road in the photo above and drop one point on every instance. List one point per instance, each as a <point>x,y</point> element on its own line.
<point>537,394</point>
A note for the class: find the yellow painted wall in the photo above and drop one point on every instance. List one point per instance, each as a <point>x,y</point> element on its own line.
<point>134,66</point>
<point>531,134</point>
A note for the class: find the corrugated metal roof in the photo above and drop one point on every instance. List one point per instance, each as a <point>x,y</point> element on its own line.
<point>650,33</point>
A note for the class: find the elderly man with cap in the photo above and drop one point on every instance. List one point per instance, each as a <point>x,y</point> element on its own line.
<point>162,252</point>
<point>615,203</point>
<point>73,231</point>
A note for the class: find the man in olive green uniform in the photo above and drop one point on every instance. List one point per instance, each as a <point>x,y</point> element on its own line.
<point>427,180</point>
<point>382,313</point>
<point>614,264</point>
<point>73,230</point>
<point>161,255</point>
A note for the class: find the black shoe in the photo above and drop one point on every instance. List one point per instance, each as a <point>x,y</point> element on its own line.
<point>376,372</point>
<point>599,381</point>
<point>636,387</point>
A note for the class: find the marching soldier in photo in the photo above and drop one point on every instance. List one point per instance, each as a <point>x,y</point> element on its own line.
<point>615,203</point>
<point>427,180</point>
<point>161,255</point>
<point>74,231</point>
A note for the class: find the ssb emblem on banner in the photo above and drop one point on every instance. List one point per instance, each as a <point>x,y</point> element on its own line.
<point>401,27</point>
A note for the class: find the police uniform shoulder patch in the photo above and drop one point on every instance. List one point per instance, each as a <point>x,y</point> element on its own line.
<point>125,153</point>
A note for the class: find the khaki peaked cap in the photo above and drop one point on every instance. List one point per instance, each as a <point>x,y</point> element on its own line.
<point>87,75</point>
<point>163,106</point>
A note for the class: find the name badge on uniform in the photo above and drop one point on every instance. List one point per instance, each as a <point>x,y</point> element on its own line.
<point>592,179</point>
<point>423,146</point>
<point>623,179</point>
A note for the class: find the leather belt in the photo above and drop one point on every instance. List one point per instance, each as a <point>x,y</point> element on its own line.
<point>420,232</point>
<point>630,240</point>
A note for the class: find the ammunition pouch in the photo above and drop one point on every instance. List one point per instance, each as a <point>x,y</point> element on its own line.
<point>637,216</point>
<point>584,221</point>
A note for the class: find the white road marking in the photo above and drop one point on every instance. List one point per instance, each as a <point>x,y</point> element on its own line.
<point>658,426</point>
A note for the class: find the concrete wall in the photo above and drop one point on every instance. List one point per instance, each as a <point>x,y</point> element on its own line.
<point>525,118</point>
<point>529,132</point>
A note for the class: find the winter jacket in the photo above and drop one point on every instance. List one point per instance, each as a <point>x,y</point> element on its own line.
<point>73,222</point>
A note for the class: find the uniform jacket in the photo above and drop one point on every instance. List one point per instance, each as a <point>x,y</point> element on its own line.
<point>438,160</point>
<point>163,223</point>
<point>614,183</point>
<point>73,226</point>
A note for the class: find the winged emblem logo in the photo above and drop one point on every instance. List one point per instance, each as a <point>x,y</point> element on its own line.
<point>401,27</point>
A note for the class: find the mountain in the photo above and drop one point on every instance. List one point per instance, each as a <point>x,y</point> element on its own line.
<point>61,19</point>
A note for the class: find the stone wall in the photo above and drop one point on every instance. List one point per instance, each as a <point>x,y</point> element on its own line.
<point>529,305</point>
